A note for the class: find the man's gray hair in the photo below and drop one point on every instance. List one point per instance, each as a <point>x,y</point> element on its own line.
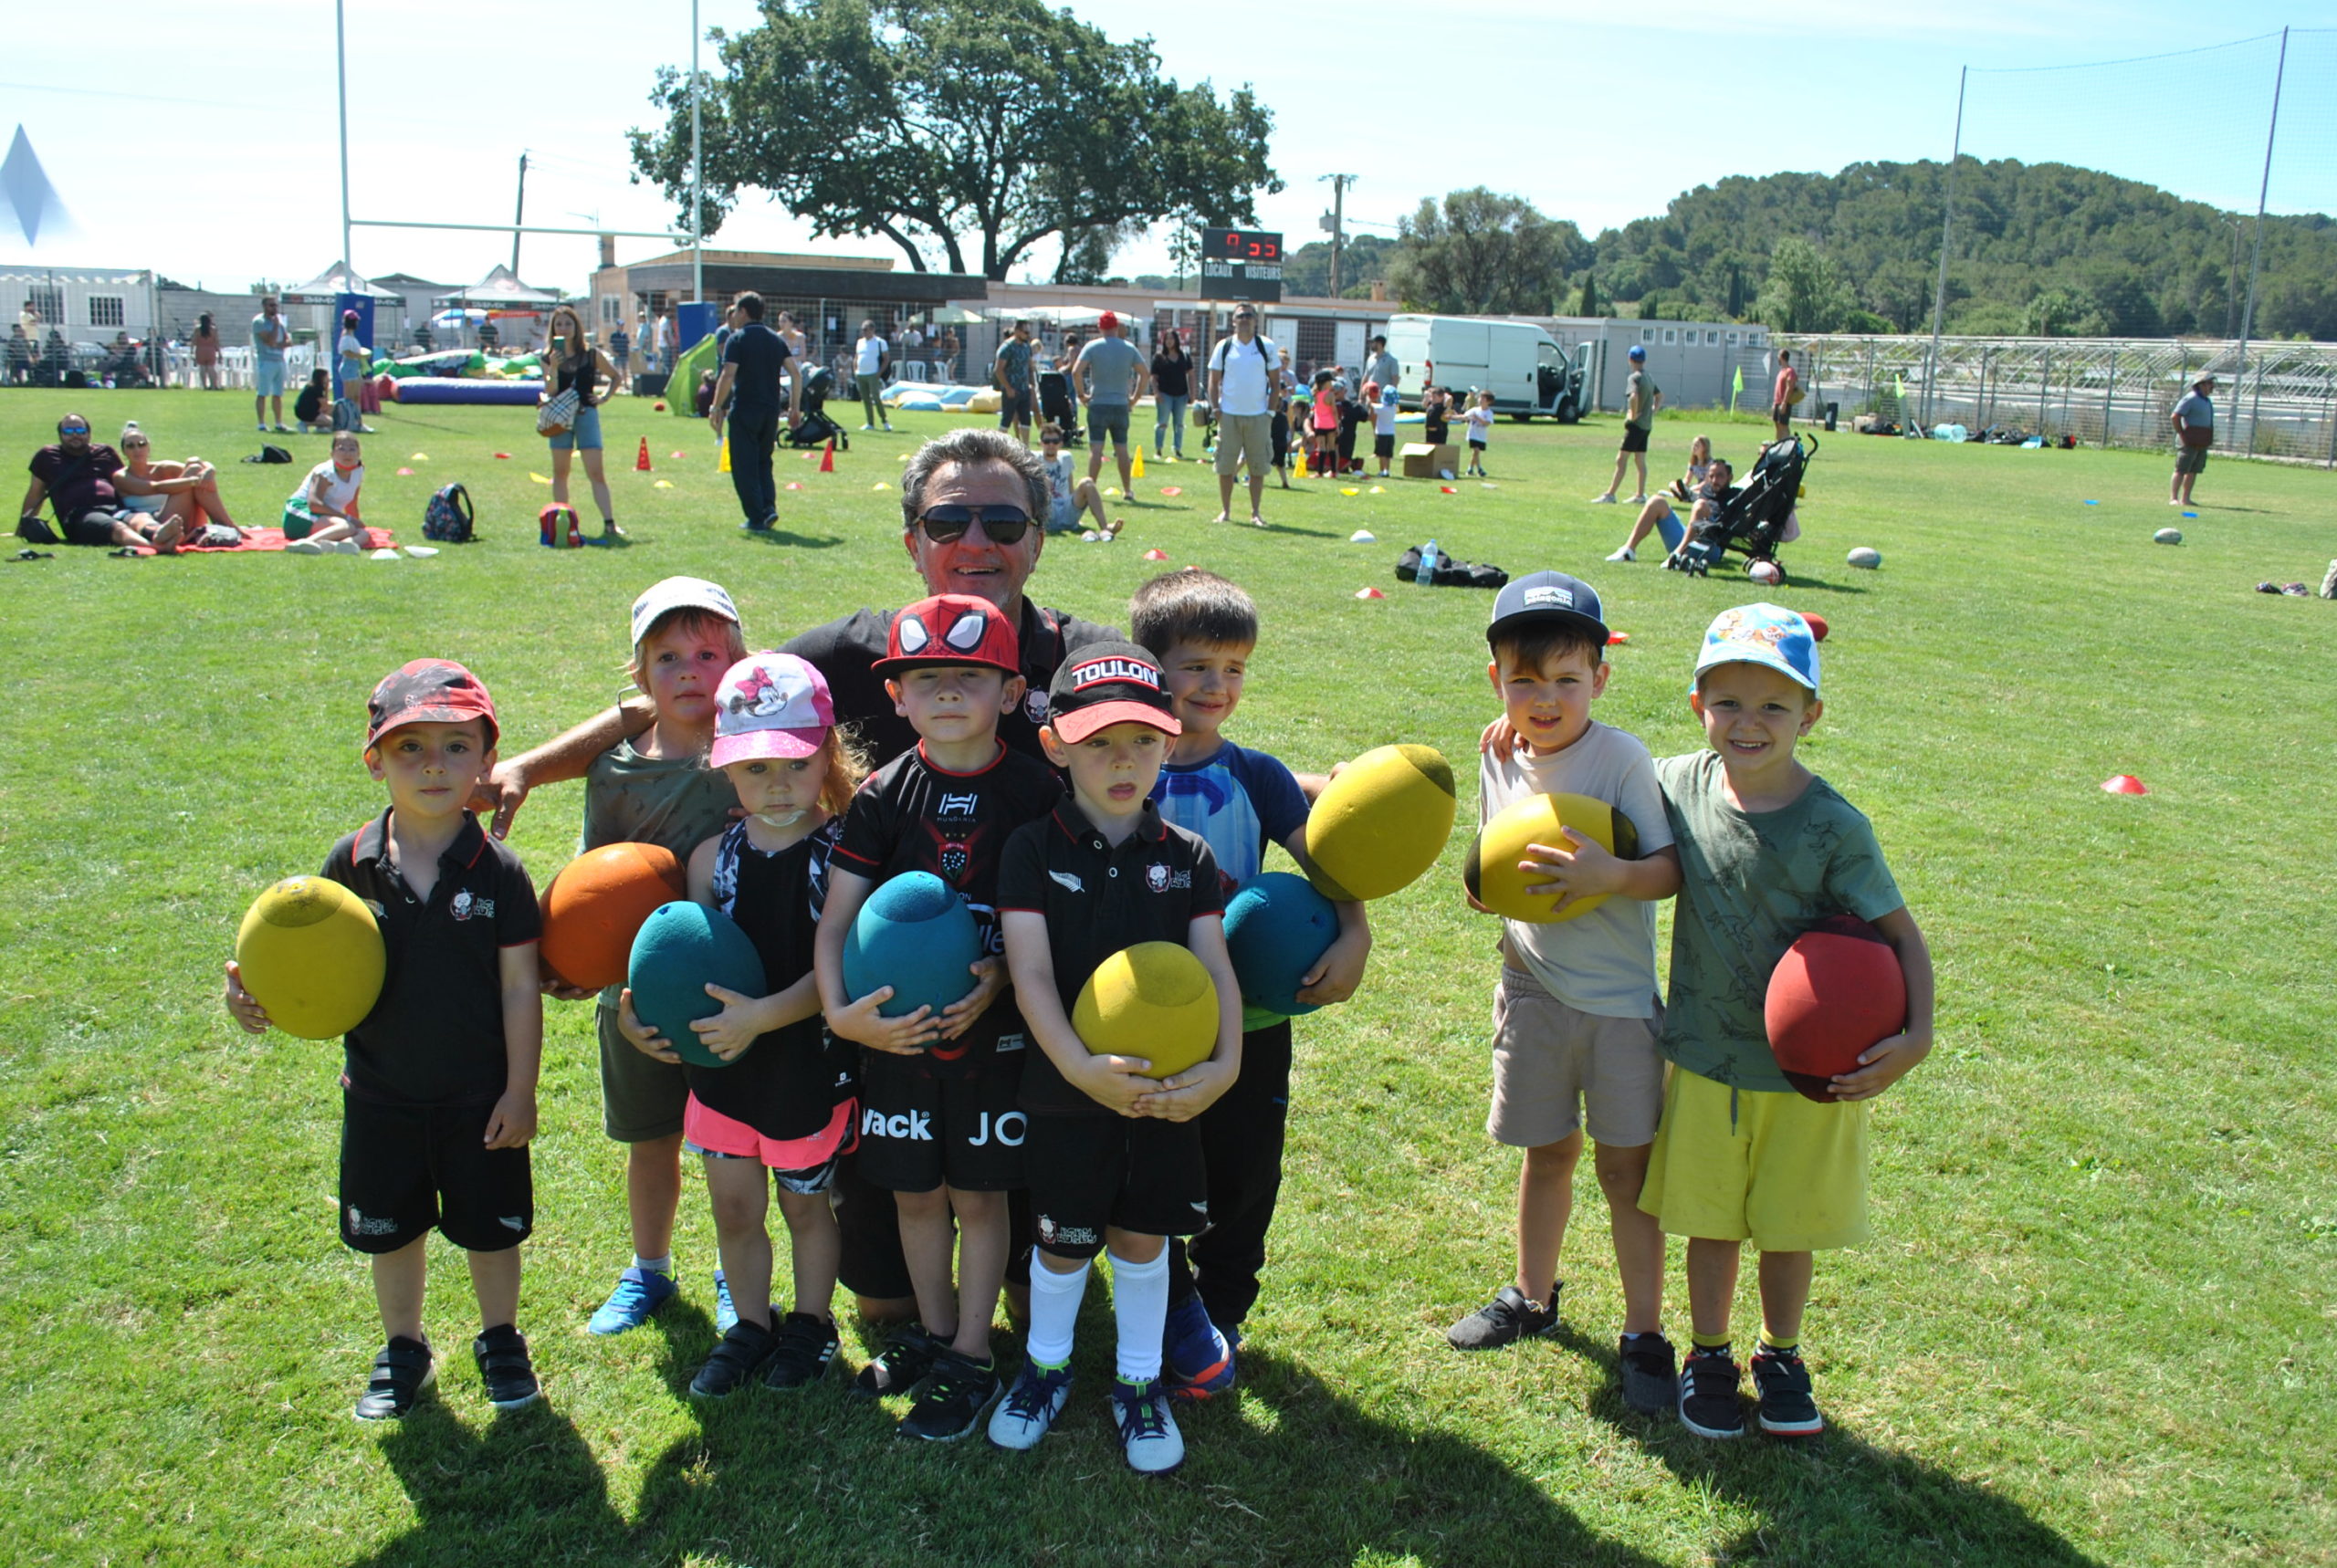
<point>973,446</point>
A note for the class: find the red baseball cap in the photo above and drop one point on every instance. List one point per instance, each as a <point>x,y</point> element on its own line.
<point>950,629</point>
<point>1108,321</point>
<point>428,691</point>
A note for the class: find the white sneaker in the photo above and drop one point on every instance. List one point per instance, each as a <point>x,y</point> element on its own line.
<point>1626,553</point>
<point>304,546</point>
<point>1640,499</point>
<point>349,547</point>
<point>1148,1435</point>
<point>1031,1408</point>
<point>1606,500</point>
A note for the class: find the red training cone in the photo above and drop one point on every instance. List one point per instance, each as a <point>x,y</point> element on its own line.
<point>828,459</point>
<point>1368,593</point>
<point>2125,784</point>
<point>641,464</point>
<point>1155,555</point>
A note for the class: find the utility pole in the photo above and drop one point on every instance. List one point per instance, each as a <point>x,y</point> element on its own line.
<point>519,211</point>
<point>697,169</point>
<point>1339,183</point>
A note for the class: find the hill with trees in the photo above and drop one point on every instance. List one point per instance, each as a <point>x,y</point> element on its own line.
<point>2040,248</point>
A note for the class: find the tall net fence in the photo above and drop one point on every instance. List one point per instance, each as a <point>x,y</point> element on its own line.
<point>2247,128</point>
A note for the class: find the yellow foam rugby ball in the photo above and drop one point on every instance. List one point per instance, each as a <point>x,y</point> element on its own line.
<point>1381,822</point>
<point>1492,872</point>
<point>310,954</point>
<point>1153,1001</point>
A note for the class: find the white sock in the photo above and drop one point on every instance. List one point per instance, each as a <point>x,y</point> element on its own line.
<point>1054,1313</point>
<point>660,1265</point>
<point>1140,1303</point>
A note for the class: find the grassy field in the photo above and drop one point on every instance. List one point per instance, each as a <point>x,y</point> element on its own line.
<point>2094,1326</point>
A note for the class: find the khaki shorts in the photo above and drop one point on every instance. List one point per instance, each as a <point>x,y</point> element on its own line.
<point>1784,1173</point>
<point>641,1098</point>
<point>1556,1069</point>
<point>1250,435</point>
<point>2190,460</point>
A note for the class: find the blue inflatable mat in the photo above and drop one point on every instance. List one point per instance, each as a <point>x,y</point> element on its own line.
<point>457,389</point>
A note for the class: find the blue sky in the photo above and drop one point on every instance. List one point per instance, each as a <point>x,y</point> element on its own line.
<point>224,167</point>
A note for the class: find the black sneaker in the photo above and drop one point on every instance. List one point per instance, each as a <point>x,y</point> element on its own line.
<point>503,1364</point>
<point>403,1370</point>
<point>1787,1409</point>
<point>956,1395</point>
<point>1507,1318</point>
<point>901,1366</point>
<point>804,1345</point>
<point>741,1355</point>
<point>1709,1405</point>
<point>1651,1373</point>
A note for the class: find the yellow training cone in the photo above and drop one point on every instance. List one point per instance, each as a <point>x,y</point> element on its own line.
<point>1349,490</point>
<point>880,484</point>
<point>1137,470</point>
<point>1112,490</point>
<point>538,478</point>
<point>419,457</point>
<point>663,485</point>
<point>723,465</point>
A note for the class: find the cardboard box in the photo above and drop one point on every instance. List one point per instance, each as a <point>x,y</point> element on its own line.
<point>1422,461</point>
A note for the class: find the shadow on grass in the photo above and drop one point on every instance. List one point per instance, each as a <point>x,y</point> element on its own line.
<point>1836,1498</point>
<point>779,536</point>
<point>528,1489</point>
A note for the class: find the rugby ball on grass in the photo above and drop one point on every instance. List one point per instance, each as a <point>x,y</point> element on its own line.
<point>1153,1001</point>
<point>594,907</point>
<point>310,952</point>
<point>1837,990</point>
<point>1864,558</point>
<point>1491,874</point>
<point>1380,823</point>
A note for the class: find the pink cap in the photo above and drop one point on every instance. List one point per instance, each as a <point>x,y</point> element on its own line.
<point>770,705</point>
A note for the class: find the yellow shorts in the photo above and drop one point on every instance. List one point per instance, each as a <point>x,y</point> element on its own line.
<point>1785,1173</point>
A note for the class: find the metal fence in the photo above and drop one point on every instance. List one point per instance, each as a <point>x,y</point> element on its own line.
<point>2110,391</point>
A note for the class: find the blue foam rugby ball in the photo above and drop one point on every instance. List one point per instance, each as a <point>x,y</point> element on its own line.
<point>1275,928</point>
<point>916,935</point>
<point>682,948</point>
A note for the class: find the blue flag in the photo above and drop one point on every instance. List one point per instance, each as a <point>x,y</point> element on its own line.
<point>25,186</point>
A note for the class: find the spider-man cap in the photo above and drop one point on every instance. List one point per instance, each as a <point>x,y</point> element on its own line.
<point>428,691</point>
<point>950,629</point>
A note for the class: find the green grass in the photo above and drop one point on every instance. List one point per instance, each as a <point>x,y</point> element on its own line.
<point>2094,1325</point>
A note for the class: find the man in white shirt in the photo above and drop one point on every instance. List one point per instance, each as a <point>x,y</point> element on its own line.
<point>1241,383</point>
<point>868,371</point>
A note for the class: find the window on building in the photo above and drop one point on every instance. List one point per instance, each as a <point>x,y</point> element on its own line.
<point>1752,340</point>
<point>1671,336</point>
<point>612,310</point>
<point>1735,339</point>
<point>659,302</point>
<point>1646,334</point>
<point>1712,337</point>
<point>105,311</point>
<point>47,301</point>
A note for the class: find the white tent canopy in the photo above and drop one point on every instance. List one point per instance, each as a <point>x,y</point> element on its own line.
<point>332,283</point>
<point>500,287</point>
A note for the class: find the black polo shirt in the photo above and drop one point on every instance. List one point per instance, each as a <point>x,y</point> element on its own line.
<point>910,815</point>
<point>1098,899</point>
<point>843,649</point>
<point>760,358</point>
<point>435,1036</point>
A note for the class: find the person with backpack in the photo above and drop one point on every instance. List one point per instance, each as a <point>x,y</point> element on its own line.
<point>1240,392</point>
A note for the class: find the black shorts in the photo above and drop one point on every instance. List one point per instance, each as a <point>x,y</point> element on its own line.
<point>1476,445</point>
<point>1383,446</point>
<point>89,528</point>
<point>918,1132</point>
<point>406,1168</point>
<point>1139,1173</point>
<point>1634,438</point>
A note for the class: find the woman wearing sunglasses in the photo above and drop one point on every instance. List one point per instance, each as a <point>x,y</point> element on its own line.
<point>167,491</point>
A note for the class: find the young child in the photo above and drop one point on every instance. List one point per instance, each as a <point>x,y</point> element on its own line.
<point>785,1103</point>
<point>941,1127</point>
<point>438,1089</point>
<point>1115,1158</point>
<point>1203,631</point>
<point>1322,460</point>
<point>1768,849</point>
<point>656,788</point>
<point>1575,1014</point>
<point>1289,419</point>
<point>1436,409</point>
<point>313,407</point>
<point>1353,411</point>
<point>1383,422</point>
<point>320,517</point>
<point>1479,420</point>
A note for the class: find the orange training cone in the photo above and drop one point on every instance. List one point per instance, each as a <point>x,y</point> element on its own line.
<point>641,464</point>
<point>828,459</point>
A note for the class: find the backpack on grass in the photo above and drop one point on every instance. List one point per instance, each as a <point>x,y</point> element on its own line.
<point>447,516</point>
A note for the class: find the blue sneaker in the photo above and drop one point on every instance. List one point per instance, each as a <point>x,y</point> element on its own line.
<point>1196,1358</point>
<point>726,1314</point>
<point>639,1293</point>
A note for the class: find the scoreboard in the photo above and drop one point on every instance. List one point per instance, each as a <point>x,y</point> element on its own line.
<point>1241,264</point>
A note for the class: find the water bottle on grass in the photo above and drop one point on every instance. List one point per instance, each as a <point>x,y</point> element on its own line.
<point>1426,575</point>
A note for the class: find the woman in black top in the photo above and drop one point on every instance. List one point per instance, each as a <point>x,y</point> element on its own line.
<point>573,364</point>
<point>1172,371</point>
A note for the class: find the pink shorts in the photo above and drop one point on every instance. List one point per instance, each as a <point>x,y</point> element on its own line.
<point>713,1133</point>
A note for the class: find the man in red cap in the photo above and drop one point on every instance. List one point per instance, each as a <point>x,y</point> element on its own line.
<point>1108,379</point>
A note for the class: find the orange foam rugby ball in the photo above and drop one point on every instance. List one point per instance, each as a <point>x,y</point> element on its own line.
<point>594,908</point>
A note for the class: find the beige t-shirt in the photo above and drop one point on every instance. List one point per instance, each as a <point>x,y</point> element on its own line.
<point>1602,962</point>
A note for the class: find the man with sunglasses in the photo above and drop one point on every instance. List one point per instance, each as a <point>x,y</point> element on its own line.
<point>76,480</point>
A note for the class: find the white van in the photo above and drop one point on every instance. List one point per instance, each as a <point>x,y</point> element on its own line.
<point>1528,373</point>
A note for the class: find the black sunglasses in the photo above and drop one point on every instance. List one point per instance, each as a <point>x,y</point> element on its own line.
<point>1001,525</point>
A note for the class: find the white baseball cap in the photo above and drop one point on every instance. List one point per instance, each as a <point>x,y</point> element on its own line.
<point>770,705</point>
<point>679,593</point>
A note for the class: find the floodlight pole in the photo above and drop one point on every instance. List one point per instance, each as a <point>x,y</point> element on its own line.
<point>341,69</point>
<point>697,172</point>
<point>2255,251</point>
<point>1946,216</point>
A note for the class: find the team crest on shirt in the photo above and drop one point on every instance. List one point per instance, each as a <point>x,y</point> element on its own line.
<point>465,905</point>
<point>953,856</point>
<point>1034,705</point>
<point>1160,879</point>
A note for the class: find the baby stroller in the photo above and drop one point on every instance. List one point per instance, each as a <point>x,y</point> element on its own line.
<point>816,428</point>
<point>1755,518</point>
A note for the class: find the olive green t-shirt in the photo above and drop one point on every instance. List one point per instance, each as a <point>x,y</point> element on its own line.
<point>673,803</point>
<point>1751,883</point>
<point>1642,387</point>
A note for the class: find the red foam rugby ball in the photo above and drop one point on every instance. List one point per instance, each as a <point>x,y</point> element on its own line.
<point>1837,990</point>
<point>1817,625</point>
<point>595,906</point>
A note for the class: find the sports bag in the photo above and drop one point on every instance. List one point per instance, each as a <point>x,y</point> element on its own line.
<point>269,452</point>
<point>345,416</point>
<point>556,527</point>
<point>558,413</point>
<point>447,516</point>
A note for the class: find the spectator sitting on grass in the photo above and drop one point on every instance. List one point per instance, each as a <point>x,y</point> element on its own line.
<point>77,479</point>
<point>184,493</point>
<point>320,518</point>
<point>1707,495</point>
<point>313,407</point>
